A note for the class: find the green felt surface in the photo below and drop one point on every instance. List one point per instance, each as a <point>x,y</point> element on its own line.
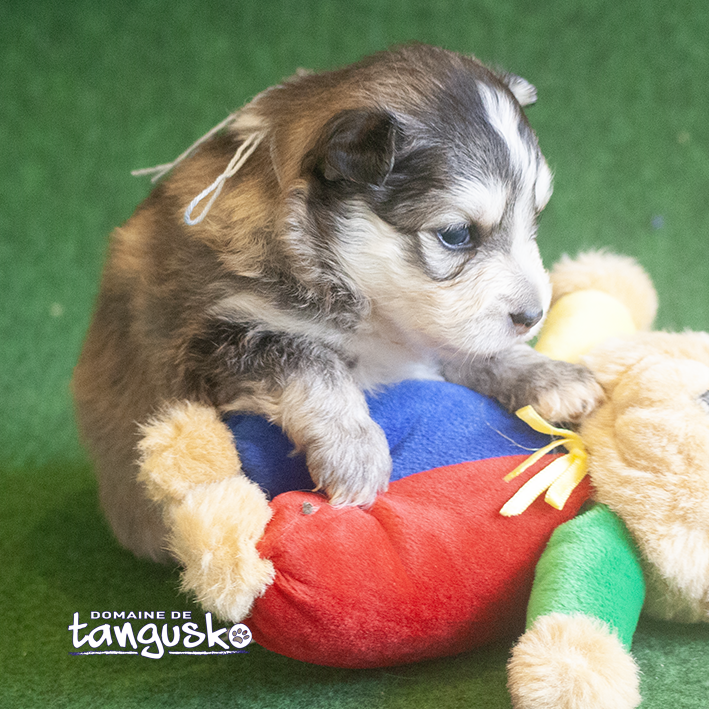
<point>90,90</point>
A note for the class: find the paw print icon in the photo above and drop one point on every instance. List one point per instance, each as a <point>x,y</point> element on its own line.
<point>240,636</point>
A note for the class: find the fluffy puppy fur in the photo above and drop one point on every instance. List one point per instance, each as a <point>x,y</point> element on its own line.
<point>383,228</point>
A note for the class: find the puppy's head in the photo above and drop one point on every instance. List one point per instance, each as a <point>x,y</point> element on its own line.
<point>414,183</point>
<point>425,184</point>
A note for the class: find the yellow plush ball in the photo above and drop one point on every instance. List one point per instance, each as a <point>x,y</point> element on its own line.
<point>579,321</point>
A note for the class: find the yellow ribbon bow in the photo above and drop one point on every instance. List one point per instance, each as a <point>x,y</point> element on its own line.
<point>559,478</point>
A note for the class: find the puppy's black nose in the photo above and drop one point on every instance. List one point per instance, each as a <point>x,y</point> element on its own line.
<point>526,320</point>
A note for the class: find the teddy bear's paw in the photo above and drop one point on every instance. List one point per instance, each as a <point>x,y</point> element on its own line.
<point>185,445</point>
<point>213,534</point>
<point>572,662</point>
<point>566,393</point>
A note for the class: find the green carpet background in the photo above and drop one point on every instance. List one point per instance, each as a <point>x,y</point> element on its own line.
<point>91,90</point>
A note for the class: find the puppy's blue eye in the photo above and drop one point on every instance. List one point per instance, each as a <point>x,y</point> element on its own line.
<point>461,236</point>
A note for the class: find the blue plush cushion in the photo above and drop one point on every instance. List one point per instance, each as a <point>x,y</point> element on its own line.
<point>428,424</point>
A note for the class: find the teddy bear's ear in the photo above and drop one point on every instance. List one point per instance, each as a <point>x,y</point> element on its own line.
<point>619,276</point>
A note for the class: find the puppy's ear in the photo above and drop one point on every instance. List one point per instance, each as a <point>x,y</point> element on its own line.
<point>357,145</point>
<point>521,89</point>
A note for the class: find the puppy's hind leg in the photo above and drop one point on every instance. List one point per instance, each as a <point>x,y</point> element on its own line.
<point>559,391</point>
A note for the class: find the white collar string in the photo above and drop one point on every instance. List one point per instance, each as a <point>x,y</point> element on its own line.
<point>241,155</point>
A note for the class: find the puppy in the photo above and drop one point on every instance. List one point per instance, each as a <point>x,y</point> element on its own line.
<point>358,228</point>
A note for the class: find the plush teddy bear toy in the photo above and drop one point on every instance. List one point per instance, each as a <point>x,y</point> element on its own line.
<point>447,559</point>
<point>648,447</point>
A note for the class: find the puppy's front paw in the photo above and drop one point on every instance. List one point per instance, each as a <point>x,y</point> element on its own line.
<point>565,392</point>
<point>351,464</point>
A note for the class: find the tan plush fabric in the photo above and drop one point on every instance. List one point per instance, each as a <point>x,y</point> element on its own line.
<point>572,662</point>
<point>649,460</point>
<point>214,514</point>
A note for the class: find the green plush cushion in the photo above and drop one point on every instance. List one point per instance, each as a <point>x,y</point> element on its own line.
<point>591,566</point>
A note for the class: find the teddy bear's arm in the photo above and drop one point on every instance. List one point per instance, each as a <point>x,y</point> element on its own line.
<point>585,604</point>
<point>591,566</point>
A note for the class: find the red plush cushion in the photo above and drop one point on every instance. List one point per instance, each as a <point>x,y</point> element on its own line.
<point>431,569</point>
